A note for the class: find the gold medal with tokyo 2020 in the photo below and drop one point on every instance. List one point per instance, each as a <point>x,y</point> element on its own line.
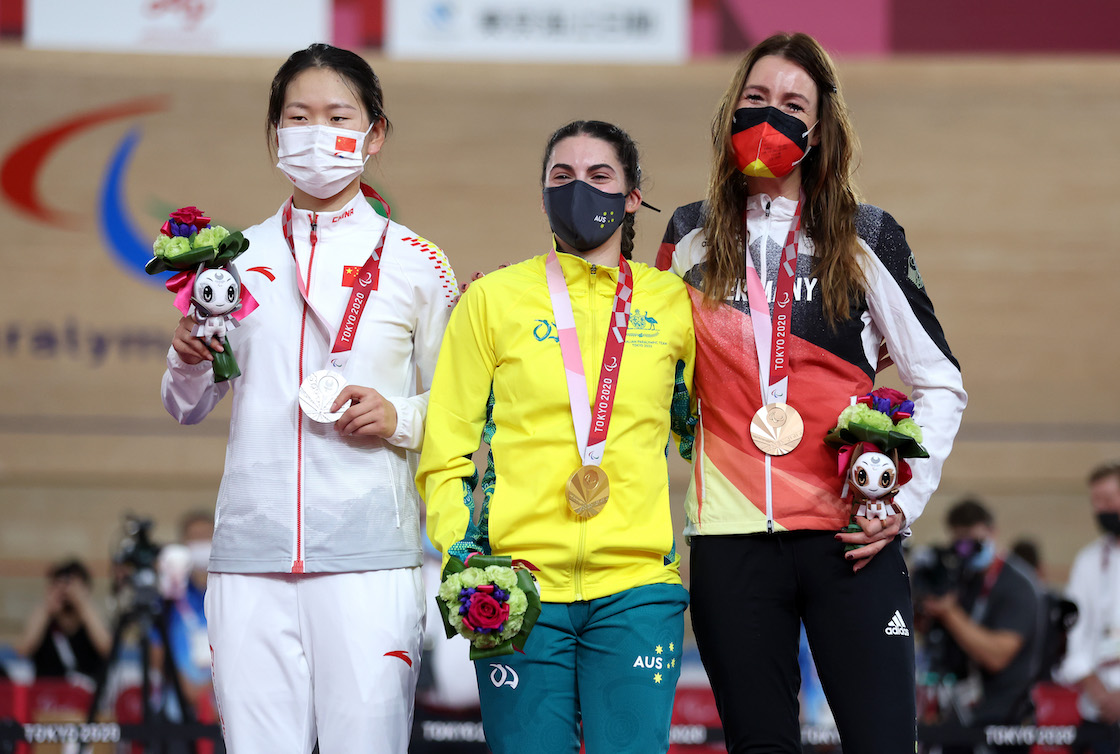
<point>317,394</point>
<point>589,489</point>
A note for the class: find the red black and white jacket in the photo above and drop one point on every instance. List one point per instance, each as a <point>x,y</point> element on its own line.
<point>296,496</point>
<point>732,491</point>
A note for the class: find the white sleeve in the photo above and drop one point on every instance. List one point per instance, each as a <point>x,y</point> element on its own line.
<point>436,295</point>
<point>903,314</point>
<point>1078,663</point>
<point>189,392</point>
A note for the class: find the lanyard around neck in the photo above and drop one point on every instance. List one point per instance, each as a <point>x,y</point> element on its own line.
<point>591,433</point>
<point>365,283</point>
<point>772,335</point>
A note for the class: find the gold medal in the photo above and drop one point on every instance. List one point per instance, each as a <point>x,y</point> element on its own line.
<point>777,429</point>
<point>588,491</point>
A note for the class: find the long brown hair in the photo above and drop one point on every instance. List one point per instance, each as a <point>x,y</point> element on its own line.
<point>830,214</point>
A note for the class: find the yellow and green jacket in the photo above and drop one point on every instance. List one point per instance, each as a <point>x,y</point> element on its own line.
<point>500,379</point>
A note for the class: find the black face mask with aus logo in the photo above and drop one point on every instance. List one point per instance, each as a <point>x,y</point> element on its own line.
<point>582,216</point>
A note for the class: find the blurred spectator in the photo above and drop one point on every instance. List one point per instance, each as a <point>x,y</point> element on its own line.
<point>993,619</point>
<point>1060,613</point>
<point>65,636</point>
<point>183,585</point>
<point>1027,551</point>
<point>1092,662</point>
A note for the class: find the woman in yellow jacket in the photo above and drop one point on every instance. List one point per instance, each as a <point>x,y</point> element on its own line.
<point>570,366</point>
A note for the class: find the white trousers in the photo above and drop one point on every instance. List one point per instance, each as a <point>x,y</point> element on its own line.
<point>332,657</point>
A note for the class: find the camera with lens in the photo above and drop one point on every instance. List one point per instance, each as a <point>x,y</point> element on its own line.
<point>935,571</point>
<point>135,559</point>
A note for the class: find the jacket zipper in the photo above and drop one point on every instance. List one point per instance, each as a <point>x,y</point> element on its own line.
<point>297,562</point>
<point>769,478</point>
<point>578,575</point>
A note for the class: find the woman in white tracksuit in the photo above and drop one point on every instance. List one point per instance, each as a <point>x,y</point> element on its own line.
<point>315,603</point>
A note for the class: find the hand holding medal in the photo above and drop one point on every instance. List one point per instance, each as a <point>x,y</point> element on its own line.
<point>320,389</point>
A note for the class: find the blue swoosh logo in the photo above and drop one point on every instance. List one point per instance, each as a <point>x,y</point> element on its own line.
<point>117,228</point>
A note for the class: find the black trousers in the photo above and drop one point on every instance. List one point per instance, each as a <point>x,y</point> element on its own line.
<point>748,595</point>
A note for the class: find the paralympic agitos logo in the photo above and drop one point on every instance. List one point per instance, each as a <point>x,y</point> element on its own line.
<point>20,169</point>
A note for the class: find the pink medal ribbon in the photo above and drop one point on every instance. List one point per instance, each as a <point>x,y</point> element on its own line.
<point>777,427</point>
<point>591,432</point>
<point>319,389</point>
<point>771,340</point>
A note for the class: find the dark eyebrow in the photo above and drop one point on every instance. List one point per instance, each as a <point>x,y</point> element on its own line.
<point>600,166</point>
<point>340,105</point>
<point>766,90</point>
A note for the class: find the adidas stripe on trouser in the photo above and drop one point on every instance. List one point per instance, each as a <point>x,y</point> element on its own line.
<point>748,595</point>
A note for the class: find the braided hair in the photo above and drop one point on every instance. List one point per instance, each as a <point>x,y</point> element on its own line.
<point>627,152</point>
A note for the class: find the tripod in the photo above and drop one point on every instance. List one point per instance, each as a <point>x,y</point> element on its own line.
<point>145,612</point>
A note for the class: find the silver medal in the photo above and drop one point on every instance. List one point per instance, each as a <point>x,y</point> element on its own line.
<point>317,394</point>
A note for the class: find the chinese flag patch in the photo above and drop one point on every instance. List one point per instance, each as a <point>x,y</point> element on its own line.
<point>345,144</point>
<point>350,275</point>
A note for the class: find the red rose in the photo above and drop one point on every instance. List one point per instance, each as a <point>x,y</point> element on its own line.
<point>191,216</point>
<point>890,394</point>
<point>483,611</point>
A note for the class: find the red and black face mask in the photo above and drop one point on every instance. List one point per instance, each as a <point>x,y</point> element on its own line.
<point>768,143</point>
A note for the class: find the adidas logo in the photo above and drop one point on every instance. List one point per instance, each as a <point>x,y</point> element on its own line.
<point>897,626</point>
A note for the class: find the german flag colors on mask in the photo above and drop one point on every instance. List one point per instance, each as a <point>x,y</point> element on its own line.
<point>766,142</point>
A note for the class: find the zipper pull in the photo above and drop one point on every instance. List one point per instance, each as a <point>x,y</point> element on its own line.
<point>769,526</point>
<point>593,268</point>
<point>768,209</point>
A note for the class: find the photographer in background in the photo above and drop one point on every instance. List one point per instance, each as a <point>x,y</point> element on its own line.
<point>64,635</point>
<point>1092,662</point>
<point>182,576</point>
<point>993,620</point>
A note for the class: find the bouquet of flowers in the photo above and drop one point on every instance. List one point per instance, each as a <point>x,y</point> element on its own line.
<point>207,286</point>
<point>873,437</point>
<point>492,602</point>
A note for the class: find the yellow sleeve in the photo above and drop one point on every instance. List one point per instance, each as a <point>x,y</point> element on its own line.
<point>457,413</point>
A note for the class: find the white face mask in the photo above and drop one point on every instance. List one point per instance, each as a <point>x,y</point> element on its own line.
<point>200,555</point>
<point>321,160</point>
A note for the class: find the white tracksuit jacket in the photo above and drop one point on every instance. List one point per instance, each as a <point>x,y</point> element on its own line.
<point>296,496</point>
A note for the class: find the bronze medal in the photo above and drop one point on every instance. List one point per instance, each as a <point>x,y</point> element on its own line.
<point>777,429</point>
<point>588,491</point>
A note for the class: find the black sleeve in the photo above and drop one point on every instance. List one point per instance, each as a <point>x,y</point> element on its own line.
<point>887,240</point>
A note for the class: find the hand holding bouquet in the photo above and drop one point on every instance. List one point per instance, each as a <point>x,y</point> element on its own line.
<point>492,602</point>
<point>207,287</point>
<point>873,436</point>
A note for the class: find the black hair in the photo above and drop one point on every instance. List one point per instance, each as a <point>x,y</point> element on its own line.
<point>1027,551</point>
<point>1104,471</point>
<point>69,569</point>
<point>968,513</point>
<point>627,152</point>
<point>353,69</point>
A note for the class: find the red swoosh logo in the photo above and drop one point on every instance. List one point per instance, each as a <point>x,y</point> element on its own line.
<point>20,169</point>
<point>264,271</point>
<point>401,655</point>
